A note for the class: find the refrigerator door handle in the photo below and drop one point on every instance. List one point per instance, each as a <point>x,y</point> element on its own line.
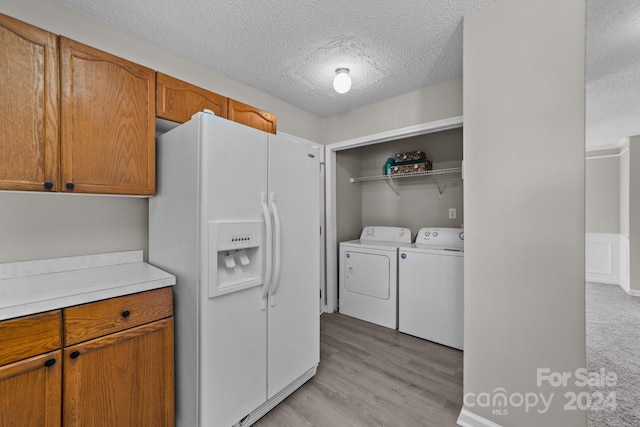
<point>276,249</point>
<point>266,213</point>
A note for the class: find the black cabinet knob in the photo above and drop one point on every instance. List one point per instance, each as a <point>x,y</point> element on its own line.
<point>126,313</point>
<point>70,185</point>
<point>50,362</point>
<point>48,185</point>
<point>74,354</point>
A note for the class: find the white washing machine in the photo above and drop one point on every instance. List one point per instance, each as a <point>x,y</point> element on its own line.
<point>431,286</point>
<point>369,275</point>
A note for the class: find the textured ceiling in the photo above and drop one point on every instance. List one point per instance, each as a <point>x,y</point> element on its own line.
<point>291,48</point>
<point>613,71</point>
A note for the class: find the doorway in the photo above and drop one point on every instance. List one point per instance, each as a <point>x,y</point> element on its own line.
<point>331,182</point>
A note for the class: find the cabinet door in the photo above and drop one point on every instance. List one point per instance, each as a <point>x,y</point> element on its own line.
<point>122,379</point>
<point>251,116</point>
<point>107,117</point>
<point>29,107</point>
<point>177,100</point>
<point>31,392</point>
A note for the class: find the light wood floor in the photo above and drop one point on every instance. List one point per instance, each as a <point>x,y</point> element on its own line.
<point>373,376</point>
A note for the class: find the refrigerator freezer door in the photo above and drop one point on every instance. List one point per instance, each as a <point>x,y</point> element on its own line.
<point>233,326</point>
<point>293,312</point>
<point>174,246</point>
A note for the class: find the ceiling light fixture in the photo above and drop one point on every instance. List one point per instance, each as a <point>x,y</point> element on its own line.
<point>342,81</point>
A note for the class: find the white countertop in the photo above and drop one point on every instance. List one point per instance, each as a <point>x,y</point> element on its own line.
<point>31,287</point>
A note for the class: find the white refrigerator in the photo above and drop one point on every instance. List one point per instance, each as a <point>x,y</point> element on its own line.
<point>237,219</point>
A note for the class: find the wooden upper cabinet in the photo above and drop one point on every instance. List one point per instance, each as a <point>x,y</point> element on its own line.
<point>107,121</point>
<point>177,100</point>
<point>29,107</point>
<point>251,116</point>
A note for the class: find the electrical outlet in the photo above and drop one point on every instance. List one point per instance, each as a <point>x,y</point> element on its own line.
<point>452,213</point>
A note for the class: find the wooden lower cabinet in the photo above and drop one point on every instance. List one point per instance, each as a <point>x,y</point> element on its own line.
<point>119,372</point>
<point>30,392</point>
<point>122,379</point>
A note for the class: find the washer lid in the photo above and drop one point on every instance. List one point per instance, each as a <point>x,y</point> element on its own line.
<point>385,234</point>
<point>451,239</point>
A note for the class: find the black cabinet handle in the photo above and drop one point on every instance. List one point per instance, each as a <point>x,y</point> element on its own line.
<point>70,185</point>
<point>50,362</point>
<point>74,354</point>
<point>126,313</point>
<point>48,185</point>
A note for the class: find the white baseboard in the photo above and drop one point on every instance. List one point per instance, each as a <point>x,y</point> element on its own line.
<point>469,419</point>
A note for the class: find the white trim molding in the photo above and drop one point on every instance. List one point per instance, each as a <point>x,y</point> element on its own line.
<point>625,282</point>
<point>606,156</point>
<point>469,419</point>
<point>607,146</point>
<point>400,133</point>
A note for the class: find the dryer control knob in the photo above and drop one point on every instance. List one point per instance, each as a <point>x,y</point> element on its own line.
<point>403,256</point>
<point>427,234</point>
<point>435,234</point>
<point>461,235</point>
<point>369,231</point>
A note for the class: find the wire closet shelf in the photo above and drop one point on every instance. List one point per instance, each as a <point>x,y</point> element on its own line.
<point>435,173</point>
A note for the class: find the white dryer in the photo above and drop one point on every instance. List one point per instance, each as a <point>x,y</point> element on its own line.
<point>369,275</point>
<point>431,286</point>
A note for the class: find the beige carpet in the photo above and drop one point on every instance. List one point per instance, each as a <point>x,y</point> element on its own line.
<point>613,344</point>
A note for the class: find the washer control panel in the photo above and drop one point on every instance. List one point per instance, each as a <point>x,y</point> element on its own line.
<point>441,238</point>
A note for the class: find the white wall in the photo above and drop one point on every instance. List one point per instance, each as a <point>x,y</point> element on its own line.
<point>56,225</point>
<point>524,207</point>
<point>624,190</point>
<point>34,226</point>
<point>607,216</point>
<point>429,104</point>
<point>348,196</point>
<point>419,203</point>
<point>602,195</point>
